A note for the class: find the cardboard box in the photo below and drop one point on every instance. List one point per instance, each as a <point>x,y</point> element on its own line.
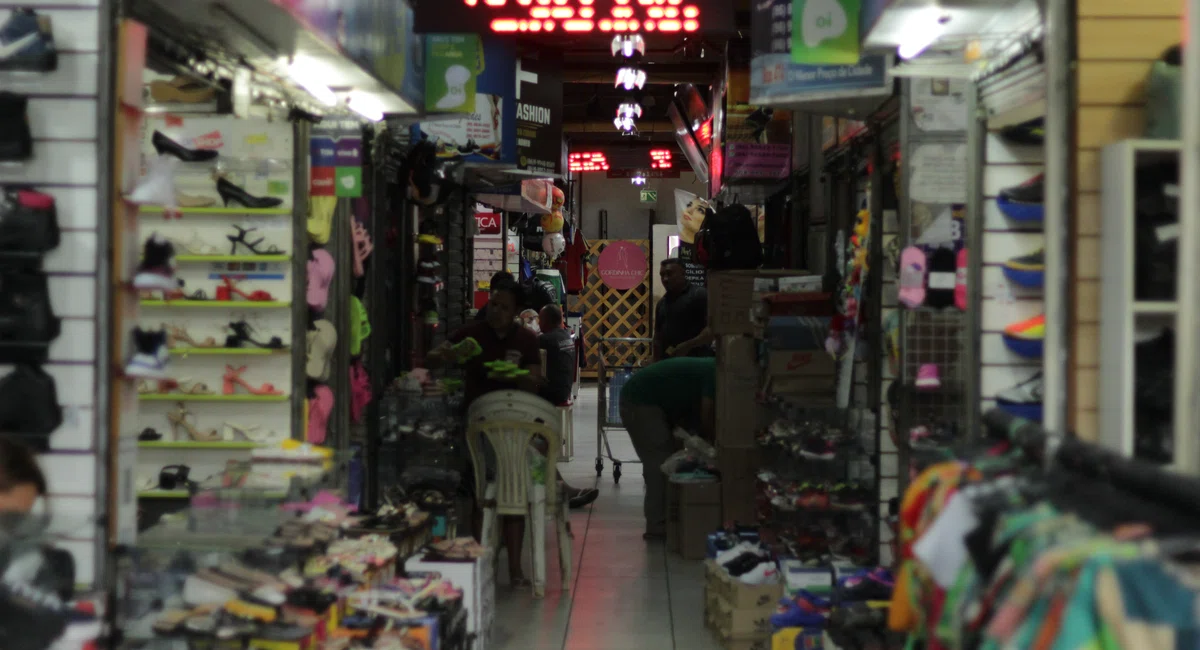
<point>739,595</point>
<point>693,511</point>
<point>476,580</point>
<point>739,475</point>
<point>732,623</point>
<point>800,363</point>
<point>737,354</point>
<point>734,296</point>
<point>739,415</point>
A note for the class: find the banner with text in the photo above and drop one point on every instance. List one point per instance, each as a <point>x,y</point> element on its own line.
<point>452,62</point>
<point>539,115</point>
<point>336,157</point>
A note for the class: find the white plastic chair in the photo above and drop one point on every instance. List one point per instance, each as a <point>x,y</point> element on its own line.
<point>510,420</point>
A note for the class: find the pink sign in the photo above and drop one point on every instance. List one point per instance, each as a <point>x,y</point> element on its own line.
<point>622,265</point>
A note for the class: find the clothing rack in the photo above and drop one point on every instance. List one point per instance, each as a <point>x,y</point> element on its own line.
<point>1138,477</point>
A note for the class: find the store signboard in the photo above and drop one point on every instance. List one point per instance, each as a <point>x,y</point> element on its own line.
<point>336,159</point>
<point>645,173</point>
<point>487,134</point>
<point>489,223</point>
<point>378,35</point>
<point>777,79</point>
<point>539,115</point>
<point>452,62</point>
<point>622,265</point>
<point>751,161</point>
<point>571,18</point>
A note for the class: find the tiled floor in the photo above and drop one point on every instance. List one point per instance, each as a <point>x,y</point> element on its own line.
<point>625,593</point>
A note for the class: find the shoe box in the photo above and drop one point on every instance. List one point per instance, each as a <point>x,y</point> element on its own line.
<point>693,511</point>
<point>739,468</point>
<point>809,374</point>
<point>477,581</point>
<point>797,638</point>
<point>735,297</point>
<point>739,613</point>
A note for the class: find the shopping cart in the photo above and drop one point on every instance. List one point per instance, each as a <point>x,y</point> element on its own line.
<point>611,377</point>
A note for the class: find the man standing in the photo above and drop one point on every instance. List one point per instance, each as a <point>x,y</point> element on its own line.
<point>559,378</point>
<point>681,315</point>
<point>672,393</point>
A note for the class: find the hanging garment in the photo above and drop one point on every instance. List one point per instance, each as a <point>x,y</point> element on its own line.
<point>574,273</point>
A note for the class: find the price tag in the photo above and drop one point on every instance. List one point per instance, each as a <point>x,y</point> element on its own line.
<point>941,280</point>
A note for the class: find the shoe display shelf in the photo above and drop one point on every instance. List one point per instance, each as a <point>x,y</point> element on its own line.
<point>1138,305</point>
<point>227,328</point>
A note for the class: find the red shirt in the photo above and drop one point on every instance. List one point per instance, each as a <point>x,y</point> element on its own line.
<point>520,346</point>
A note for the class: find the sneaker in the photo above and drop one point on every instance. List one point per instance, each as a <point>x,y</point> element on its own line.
<point>157,187</point>
<point>28,222</point>
<point>27,322</point>
<point>874,584</point>
<point>763,573</point>
<point>806,610</point>
<point>927,377</point>
<point>850,496</point>
<point>1027,270</point>
<point>1032,133</point>
<point>149,360</point>
<point>737,551</point>
<point>813,499</point>
<point>27,42</point>
<point>745,563</point>
<point>16,141</point>
<point>29,407</point>
<point>1023,203</point>
<point>815,447</point>
<point>1023,400</point>
<point>1025,338</point>
<point>157,268</point>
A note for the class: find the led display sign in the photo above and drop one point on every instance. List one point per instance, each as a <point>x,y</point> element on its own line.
<point>573,16</point>
<point>592,161</point>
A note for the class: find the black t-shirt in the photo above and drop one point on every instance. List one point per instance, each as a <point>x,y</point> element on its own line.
<point>519,346</point>
<point>681,317</point>
<point>560,365</point>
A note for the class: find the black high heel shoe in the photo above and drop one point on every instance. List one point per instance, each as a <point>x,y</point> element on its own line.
<point>240,238</point>
<point>230,192</point>
<point>243,333</point>
<point>164,145</point>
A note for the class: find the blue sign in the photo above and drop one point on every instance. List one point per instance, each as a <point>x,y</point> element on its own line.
<point>489,134</point>
<point>323,151</point>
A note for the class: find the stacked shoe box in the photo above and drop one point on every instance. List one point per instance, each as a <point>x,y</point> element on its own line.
<point>477,582</point>
<point>739,613</point>
<point>693,511</point>
<point>739,418</point>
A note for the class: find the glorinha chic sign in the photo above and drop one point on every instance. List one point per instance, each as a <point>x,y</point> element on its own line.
<point>336,157</point>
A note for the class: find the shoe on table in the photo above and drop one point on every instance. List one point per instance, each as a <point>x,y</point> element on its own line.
<point>1027,270</point>
<point>1023,400</point>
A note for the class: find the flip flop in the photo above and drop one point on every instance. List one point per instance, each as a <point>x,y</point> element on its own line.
<point>322,340</point>
<point>360,326</point>
<point>912,277</point>
<point>320,217</point>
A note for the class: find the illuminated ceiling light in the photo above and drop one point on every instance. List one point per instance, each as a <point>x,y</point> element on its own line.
<point>626,125</point>
<point>308,73</point>
<point>365,105</point>
<point>631,78</point>
<point>633,109</point>
<point>638,179</point>
<point>627,45</point>
<point>924,30</point>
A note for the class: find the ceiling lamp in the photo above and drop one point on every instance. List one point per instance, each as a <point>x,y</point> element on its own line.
<point>590,161</point>
<point>628,45</point>
<point>661,159</point>
<point>638,179</point>
<point>627,125</point>
<point>631,78</point>
<point>632,109</point>
<point>309,73</point>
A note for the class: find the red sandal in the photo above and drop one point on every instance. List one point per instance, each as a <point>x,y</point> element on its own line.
<point>233,379</point>
<point>229,289</point>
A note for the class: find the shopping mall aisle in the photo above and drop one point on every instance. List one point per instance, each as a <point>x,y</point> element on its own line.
<point>626,594</point>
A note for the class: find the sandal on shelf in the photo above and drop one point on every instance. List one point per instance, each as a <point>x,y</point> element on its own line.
<point>362,246</point>
<point>182,294</point>
<point>177,334</point>
<point>243,333</point>
<point>149,435</point>
<point>194,246</point>
<point>233,379</point>
<point>178,419</point>
<point>242,433</point>
<point>253,246</point>
<point>158,387</point>
<point>189,387</point>
<point>229,289</point>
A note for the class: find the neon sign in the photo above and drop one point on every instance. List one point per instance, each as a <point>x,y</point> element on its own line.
<point>661,159</point>
<point>592,161</point>
<point>585,16</point>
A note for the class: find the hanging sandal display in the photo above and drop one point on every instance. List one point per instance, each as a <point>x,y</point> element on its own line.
<point>362,246</point>
<point>233,379</point>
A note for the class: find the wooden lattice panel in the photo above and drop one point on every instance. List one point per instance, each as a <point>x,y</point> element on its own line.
<point>613,313</point>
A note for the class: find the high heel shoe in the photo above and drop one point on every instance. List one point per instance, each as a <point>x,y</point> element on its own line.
<point>243,333</point>
<point>164,145</point>
<point>233,379</point>
<point>178,420</point>
<point>228,290</point>
<point>230,192</point>
<point>240,238</point>
<point>242,433</point>
<point>177,335</point>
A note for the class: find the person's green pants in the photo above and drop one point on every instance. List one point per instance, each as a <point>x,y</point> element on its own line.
<point>650,431</point>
